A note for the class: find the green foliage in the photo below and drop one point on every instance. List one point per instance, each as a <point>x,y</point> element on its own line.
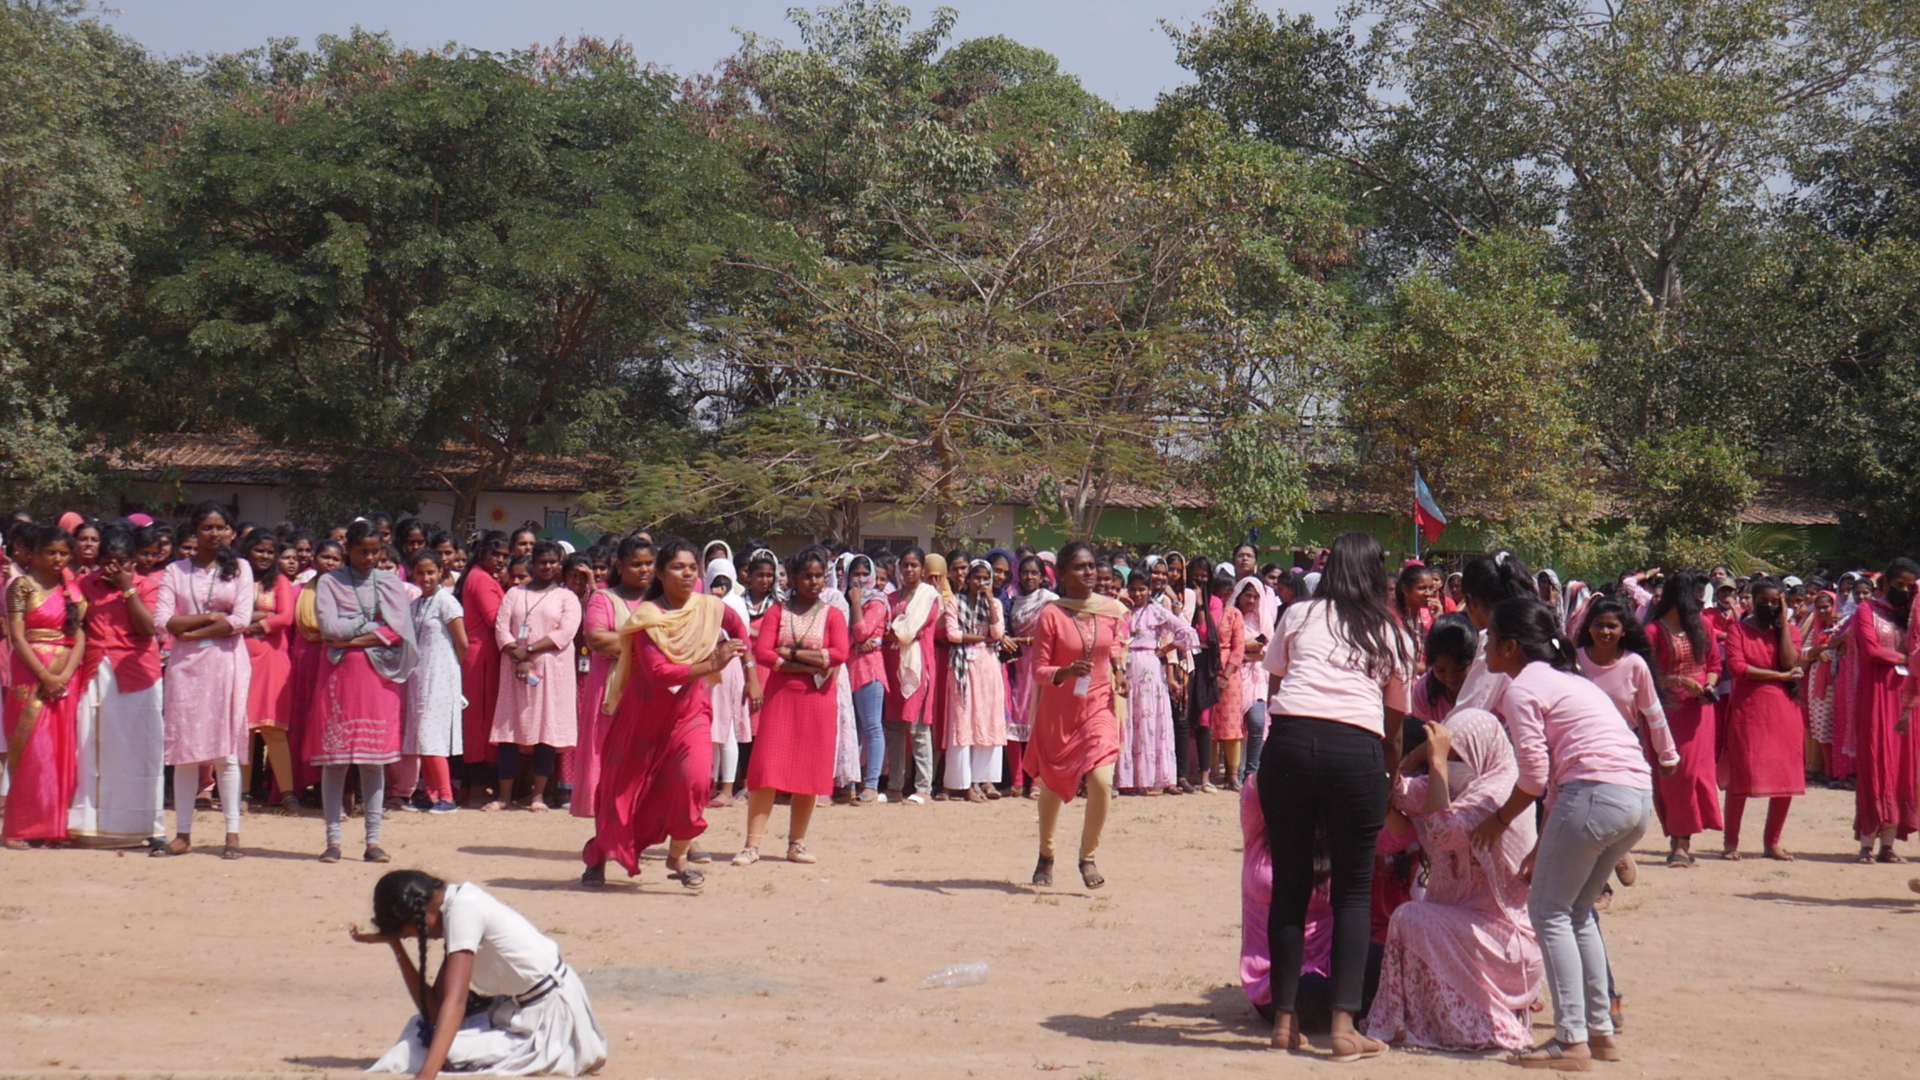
<point>1690,486</point>
<point>1253,480</point>
<point>403,250</point>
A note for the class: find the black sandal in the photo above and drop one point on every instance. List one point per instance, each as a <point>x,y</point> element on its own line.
<point>231,852</point>
<point>594,877</point>
<point>1043,871</point>
<point>1090,874</point>
<point>693,880</point>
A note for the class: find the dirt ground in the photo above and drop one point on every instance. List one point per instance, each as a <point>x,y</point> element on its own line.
<point>115,964</point>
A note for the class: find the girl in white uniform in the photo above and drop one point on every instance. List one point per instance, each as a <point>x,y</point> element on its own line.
<point>505,1004</point>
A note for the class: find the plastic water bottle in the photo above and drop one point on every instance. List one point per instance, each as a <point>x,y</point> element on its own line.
<point>954,976</point>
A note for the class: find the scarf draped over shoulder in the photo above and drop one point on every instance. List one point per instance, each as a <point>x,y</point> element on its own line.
<point>685,636</point>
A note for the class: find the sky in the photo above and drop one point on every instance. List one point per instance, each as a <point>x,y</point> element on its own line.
<point>1116,47</point>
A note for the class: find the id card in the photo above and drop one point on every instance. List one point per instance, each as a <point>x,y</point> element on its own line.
<point>1900,670</point>
<point>1083,686</point>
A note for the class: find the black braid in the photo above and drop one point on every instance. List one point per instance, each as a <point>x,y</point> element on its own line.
<point>426,980</point>
<point>400,899</point>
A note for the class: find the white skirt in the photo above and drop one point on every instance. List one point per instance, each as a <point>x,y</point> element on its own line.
<point>554,1036</point>
<point>121,745</point>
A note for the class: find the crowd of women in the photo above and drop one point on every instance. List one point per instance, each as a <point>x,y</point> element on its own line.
<point>1441,772</point>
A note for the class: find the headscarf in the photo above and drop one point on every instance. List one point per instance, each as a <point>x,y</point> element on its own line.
<point>975,616</point>
<point>1005,595</point>
<point>736,595</point>
<point>1484,746</point>
<point>686,635</point>
<point>1233,600</point>
<point>936,572</point>
<point>71,521</point>
<point>1025,608</point>
<point>1311,583</point>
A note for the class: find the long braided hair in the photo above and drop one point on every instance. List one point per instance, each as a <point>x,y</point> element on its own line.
<point>400,899</point>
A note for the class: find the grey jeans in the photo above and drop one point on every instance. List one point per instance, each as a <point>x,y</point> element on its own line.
<point>1592,824</point>
<point>898,735</point>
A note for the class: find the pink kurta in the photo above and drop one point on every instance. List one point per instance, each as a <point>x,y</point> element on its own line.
<point>480,596</point>
<point>1230,709</point>
<point>270,686</point>
<point>1688,802</point>
<point>1885,761</point>
<point>1766,737</point>
<point>205,689</point>
<point>1256,907</point>
<point>977,711</point>
<point>40,734</point>
<point>1073,735</point>
<point>656,764</point>
<point>605,611</point>
<point>359,716</point>
<point>1025,693</point>
<point>529,715</point>
<point>1150,710</point>
<point>917,709</point>
<point>799,723</point>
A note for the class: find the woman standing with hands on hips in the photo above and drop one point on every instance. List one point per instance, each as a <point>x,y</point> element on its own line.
<point>658,754</point>
<point>1078,642</point>
<point>1572,749</point>
<point>1341,666</point>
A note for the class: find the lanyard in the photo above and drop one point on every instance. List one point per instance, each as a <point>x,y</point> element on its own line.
<point>528,607</point>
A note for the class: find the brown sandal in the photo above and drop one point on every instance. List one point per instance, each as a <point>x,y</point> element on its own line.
<point>1551,1055</point>
<point>1043,871</point>
<point>1368,1048</point>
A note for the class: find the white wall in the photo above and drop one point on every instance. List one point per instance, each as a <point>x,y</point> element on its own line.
<point>267,504</point>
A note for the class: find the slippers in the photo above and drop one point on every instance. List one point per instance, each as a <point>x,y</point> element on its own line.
<point>1090,874</point>
<point>1043,871</point>
<point>231,852</point>
<point>1551,1055</point>
<point>1368,1048</point>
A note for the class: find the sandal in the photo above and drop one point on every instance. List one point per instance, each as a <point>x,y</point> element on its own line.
<point>992,793</point>
<point>746,856</point>
<point>290,805</point>
<point>1865,858</point>
<point>1679,860</point>
<point>1551,1055</point>
<point>797,853</point>
<point>168,850</point>
<point>693,880</point>
<point>973,795</point>
<point>539,806</point>
<point>1043,871</point>
<point>698,856</point>
<point>1295,1042</point>
<point>1090,875</point>
<point>1609,1051</point>
<point>1368,1048</point>
<point>331,855</point>
<point>1887,856</point>
<point>1779,854</point>
<point>1730,854</point>
<point>378,854</point>
<point>231,852</point>
<point>594,877</point>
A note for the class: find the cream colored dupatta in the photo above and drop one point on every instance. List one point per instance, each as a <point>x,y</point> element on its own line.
<point>685,636</point>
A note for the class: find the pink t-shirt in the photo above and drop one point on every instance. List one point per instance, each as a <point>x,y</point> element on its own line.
<point>1564,729</point>
<point>1323,676</point>
<point>1629,683</point>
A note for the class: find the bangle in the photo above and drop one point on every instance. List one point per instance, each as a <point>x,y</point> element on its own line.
<point>130,592</point>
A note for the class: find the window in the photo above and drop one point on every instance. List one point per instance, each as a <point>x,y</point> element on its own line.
<point>557,519</point>
<point>892,545</point>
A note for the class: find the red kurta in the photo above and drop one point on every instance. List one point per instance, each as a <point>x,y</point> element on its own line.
<point>795,737</point>
<point>270,693</point>
<point>1688,802</point>
<point>1885,762</point>
<point>1073,735</point>
<point>657,762</point>
<point>1766,737</point>
<point>480,597</point>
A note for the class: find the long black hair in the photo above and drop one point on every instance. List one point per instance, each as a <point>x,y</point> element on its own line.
<point>261,536</point>
<point>1495,577</point>
<point>401,899</point>
<point>1531,624</point>
<point>1355,585</point>
<point>1452,635</point>
<point>1682,594</point>
<point>485,543</point>
<point>223,556</point>
<point>1633,636</point>
<point>1901,610</point>
<point>662,555</point>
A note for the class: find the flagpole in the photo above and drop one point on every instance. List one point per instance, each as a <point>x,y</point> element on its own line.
<point>1416,516</point>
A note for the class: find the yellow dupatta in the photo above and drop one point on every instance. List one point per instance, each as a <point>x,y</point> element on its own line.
<point>1095,604</point>
<point>685,636</point>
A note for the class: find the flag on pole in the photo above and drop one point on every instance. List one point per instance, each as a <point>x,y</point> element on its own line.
<point>1426,512</point>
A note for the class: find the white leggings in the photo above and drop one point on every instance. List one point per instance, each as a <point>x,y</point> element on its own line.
<point>970,765</point>
<point>726,761</point>
<point>186,787</point>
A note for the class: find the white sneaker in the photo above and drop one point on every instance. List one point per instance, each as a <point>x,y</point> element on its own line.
<point>917,799</point>
<point>881,796</point>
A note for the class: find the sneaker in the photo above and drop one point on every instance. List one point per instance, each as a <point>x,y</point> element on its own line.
<point>879,796</point>
<point>917,799</point>
<point>444,806</point>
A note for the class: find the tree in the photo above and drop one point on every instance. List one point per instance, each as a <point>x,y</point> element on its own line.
<point>411,250</point>
<point>79,105</point>
<point>1690,487</point>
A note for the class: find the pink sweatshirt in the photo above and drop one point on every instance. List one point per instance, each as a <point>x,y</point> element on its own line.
<point>1564,729</point>
<point>1629,682</point>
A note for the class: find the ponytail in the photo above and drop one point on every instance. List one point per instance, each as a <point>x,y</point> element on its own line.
<point>1530,624</point>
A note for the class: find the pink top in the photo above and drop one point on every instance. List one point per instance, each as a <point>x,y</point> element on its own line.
<point>869,626</point>
<point>1320,673</point>
<point>1628,681</point>
<point>1564,729</point>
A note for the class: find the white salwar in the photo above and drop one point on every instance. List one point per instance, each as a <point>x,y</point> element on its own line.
<point>121,744</point>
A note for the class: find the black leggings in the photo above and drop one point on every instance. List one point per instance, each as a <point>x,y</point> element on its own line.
<point>507,761</point>
<point>1322,773</point>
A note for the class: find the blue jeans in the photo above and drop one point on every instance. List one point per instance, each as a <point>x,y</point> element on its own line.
<point>869,702</point>
<point>1591,826</point>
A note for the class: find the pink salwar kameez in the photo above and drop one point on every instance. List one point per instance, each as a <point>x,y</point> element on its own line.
<point>605,612</point>
<point>205,689</point>
<point>1687,802</point>
<point>1150,727</point>
<point>1462,966</point>
<point>528,714</point>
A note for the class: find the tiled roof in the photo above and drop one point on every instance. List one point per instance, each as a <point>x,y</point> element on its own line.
<point>248,459</point>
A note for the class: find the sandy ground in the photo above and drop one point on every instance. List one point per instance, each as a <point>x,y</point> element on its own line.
<point>116,964</point>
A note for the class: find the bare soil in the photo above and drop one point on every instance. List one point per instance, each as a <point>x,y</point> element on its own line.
<point>113,964</point>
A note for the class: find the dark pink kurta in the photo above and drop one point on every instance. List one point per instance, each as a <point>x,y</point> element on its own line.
<point>1766,737</point>
<point>795,736</point>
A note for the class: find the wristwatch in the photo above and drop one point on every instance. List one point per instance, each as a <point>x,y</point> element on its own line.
<point>130,592</point>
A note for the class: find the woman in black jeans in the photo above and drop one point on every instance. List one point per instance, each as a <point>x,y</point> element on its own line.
<point>1341,667</point>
